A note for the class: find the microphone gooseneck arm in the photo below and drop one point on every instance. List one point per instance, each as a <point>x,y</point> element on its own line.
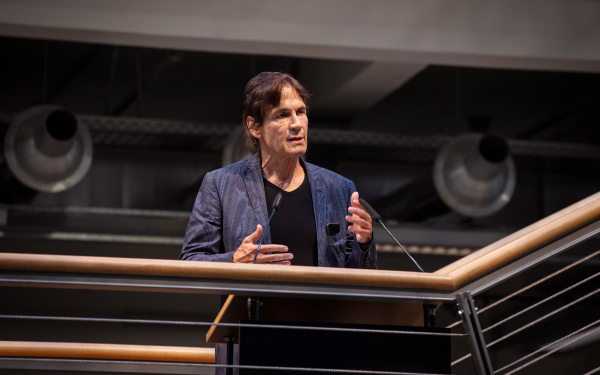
<point>376,217</point>
<point>398,242</point>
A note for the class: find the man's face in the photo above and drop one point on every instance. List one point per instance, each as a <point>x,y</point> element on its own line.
<point>284,130</point>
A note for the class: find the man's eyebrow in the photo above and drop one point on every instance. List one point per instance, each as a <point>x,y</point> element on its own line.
<point>280,110</point>
<point>300,108</point>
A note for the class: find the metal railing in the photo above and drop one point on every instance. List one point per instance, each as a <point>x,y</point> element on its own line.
<point>530,312</point>
<point>508,321</point>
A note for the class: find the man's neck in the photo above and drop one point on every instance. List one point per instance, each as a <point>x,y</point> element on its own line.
<point>288,175</point>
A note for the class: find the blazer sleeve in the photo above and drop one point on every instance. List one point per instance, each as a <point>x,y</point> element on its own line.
<point>360,258</point>
<point>204,234</point>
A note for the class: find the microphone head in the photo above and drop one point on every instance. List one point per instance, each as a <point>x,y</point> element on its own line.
<point>277,201</point>
<point>374,215</point>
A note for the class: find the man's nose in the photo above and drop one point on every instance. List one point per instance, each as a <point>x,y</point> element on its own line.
<point>294,121</point>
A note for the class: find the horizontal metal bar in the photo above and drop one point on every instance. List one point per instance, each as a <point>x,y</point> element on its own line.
<point>268,326</point>
<point>155,126</point>
<point>106,320</point>
<point>554,345</point>
<point>554,312</point>
<point>549,298</point>
<point>336,371</point>
<point>210,286</point>
<point>538,282</point>
<point>93,237</point>
<point>95,211</point>
<point>89,365</point>
<point>176,367</point>
<point>459,360</point>
<point>320,134</point>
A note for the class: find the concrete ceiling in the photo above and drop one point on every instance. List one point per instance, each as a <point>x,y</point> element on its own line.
<point>393,39</point>
<point>350,54</point>
<point>552,35</point>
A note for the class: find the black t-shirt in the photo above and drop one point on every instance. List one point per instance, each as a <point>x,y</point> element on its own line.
<point>293,224</point>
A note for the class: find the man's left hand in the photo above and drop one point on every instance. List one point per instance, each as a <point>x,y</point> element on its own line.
<point>362,225</point>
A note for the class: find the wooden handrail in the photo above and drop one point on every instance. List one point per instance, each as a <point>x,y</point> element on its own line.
<point>106,351</point>
<point>228,271</point>
<point>447,278</point>
<point>523,241</point>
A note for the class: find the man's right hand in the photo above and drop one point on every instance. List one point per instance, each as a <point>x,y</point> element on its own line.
<point>269,253</point>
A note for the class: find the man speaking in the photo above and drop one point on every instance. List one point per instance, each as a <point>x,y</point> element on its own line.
<point>319,222</point>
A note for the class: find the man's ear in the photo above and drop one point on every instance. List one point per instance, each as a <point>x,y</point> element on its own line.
<point>252,126</point>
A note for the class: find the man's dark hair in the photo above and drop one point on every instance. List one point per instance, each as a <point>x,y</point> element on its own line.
<point>264,92</point>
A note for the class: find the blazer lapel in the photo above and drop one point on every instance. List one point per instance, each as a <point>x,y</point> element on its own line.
<point>317,188</point>
<point>255,188</point>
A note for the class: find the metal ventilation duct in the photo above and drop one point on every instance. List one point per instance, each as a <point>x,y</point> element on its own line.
<point>474,174</point>
<point>47,149</point>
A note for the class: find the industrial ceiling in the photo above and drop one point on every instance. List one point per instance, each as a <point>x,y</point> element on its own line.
<point>159,86</point>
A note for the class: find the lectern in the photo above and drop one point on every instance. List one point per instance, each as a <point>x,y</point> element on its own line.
<point>304,335</point>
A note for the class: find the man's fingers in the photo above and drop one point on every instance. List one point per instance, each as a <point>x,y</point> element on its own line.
<point>362,223</point>
<point>359,211</point>
<point>268,252</point>
<point>359,230</point>
<point>276,258</point>
<point>272,248</point>
<point>355,202</point>
<point>359,220</point>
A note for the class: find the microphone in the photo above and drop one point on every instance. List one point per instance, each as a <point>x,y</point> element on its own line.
<point>376,217</point>
<point>274,206</point>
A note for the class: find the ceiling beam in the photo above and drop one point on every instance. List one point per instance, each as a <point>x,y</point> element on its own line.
<point>345,89</point>
<point>537,34</point>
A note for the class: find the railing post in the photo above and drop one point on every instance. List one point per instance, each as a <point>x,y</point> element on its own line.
<point>230,341</point>
<point>429,314</point>
<point>468,313</point>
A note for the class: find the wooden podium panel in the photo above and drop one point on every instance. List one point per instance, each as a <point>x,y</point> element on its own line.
<point>318,311</point>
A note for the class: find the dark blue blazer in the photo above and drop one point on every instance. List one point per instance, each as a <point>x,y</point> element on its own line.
<point>231,202</point>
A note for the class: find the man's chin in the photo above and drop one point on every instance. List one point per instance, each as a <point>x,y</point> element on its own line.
<point>302,152</point>
<point>298,149</point>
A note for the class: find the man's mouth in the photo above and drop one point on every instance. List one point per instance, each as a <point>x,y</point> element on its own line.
<point>295,139</point>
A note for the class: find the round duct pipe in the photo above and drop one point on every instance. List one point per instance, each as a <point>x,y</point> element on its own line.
<point>474,174</point>
<point>47,149</point>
